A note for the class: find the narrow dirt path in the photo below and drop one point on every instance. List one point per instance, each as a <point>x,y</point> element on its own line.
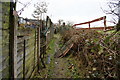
<point>55,67</point>
<point>60,66</point>
<point>60,69</point>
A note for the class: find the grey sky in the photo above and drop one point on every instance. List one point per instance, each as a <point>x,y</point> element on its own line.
<point>76,11</point>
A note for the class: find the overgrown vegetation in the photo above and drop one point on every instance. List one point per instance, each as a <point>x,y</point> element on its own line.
<point>95,53</point>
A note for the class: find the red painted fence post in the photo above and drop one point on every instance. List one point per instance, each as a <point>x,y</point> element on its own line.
<point>89,25</point>
<point>104,22</point>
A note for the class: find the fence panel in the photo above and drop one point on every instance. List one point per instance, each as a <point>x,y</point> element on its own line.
<point>4,40</point>
<point>30,51</point>
<point>26,52</point>
<point>20,54</point>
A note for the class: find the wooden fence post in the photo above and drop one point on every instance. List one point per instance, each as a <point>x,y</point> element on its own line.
<point>13,44</point>
<point>89,25</point>
<point>104,22</point>
<point>38,47</point>
<point>35,49</point>
<point>24,59</point>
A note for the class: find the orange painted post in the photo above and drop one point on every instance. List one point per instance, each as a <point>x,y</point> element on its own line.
<point>89,25</point>
<point>104,22</point>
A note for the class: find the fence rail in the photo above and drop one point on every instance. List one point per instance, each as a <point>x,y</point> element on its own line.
<point>97,28</point>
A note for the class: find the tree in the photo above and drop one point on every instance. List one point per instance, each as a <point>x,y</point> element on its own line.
<point>60,21</point>
<point>114,9</point>
<point>24,6</point>
<point>40,10</point>
<point>118,26</point>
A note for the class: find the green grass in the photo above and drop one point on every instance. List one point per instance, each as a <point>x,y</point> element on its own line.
<point>100,31</point>
<point>110,32</point>
<point>48,71</point>
<point>51,47</point>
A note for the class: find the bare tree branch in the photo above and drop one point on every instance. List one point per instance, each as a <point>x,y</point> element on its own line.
<point>114,9</point>
<point>40,9</point>
<point>24,6</point>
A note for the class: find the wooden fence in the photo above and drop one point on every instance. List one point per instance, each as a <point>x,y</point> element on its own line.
<point>46,34</point>
<point>26,52</point>
<point>18,50</point>
<point>50,31</point>
<point>20,54</point>
<point>98,28</point>
<point>4,40</point>
<point>105,28</point>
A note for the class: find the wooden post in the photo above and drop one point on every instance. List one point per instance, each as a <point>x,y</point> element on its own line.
<point>24,60</point>
<point>13,43</point>
<point>89,25</point>
<point>38,48</point>
<point>104,23</point>
<point>35,49</point>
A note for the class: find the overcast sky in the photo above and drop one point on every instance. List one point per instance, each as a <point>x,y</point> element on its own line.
<point>76,11</point>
